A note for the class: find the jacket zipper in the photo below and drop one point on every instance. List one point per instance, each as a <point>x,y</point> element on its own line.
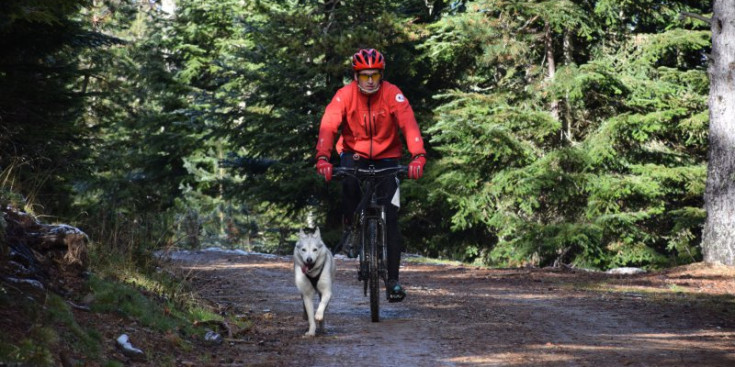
<point>370,126</point>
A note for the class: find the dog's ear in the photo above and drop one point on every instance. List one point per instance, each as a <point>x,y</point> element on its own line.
<point>301,233</point>
<point>316,233</point>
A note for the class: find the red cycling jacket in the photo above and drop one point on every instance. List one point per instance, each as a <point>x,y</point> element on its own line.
<point>370,123</point>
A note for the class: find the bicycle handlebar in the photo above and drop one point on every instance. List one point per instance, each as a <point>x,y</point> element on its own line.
<point>369,172</point>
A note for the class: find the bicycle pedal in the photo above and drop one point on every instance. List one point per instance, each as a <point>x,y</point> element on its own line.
<point>394,298</point>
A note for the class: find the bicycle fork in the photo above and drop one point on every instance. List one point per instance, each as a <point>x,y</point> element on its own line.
<point>377,216</point>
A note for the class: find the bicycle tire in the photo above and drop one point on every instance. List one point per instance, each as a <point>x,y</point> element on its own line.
<point>374,275</point>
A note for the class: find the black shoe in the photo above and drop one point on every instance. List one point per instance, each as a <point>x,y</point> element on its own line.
<point>395,292</point>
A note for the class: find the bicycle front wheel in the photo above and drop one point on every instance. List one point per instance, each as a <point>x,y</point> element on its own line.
<point>373,271</point>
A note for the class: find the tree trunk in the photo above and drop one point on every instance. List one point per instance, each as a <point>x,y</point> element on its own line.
<point>718,237</point>
<point>332,57</point>
<point>551,66</point>
<point>567,120</point>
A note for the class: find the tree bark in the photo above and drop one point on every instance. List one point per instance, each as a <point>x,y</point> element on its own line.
<point>551,66</point>
<point>567,120</point>
<point>718,237</point>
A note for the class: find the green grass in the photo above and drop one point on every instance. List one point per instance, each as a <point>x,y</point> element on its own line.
<point>432,261</point>
<point>123,299</point>
<point>46,321</point>
<point>158,301</point>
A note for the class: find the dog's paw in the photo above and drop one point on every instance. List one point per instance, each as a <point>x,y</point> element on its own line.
<point>310,333</point>
<point>319,316</point>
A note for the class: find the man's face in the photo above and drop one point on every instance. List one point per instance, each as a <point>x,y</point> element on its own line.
<point>369,79</point>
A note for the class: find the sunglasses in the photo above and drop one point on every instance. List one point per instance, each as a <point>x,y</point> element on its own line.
<point>374,77</point>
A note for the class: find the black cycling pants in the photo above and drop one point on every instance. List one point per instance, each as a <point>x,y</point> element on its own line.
<point>351,197</point>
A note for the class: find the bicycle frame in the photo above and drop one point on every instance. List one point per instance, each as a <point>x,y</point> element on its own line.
<point>370,222</point>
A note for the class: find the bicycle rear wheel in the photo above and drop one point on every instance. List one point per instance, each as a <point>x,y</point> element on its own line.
<point>374,275</point>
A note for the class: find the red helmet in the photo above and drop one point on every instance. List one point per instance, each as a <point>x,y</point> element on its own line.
<point>369,58</point>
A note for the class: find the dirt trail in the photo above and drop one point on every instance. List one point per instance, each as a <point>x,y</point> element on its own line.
<point>467,316</point>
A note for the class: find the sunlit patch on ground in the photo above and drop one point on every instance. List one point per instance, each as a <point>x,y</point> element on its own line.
<point>458,315</point>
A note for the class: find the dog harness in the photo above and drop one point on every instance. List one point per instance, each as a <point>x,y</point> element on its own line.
<point>315,279</point>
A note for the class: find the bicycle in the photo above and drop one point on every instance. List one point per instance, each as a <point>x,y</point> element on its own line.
<point>369,227</point>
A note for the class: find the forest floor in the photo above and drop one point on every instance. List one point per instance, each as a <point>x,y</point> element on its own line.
<point>460,315</point>
<point>454,315</point>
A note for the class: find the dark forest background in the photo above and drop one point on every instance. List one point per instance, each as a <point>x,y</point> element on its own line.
<point>560,132</point>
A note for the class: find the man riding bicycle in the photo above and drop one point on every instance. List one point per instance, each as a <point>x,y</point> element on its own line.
<point>370,111</point>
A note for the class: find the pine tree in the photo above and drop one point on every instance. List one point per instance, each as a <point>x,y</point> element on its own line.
<point>45,143</point>
<point>718,243</point>
<point>594,162</point>
<point>141,131</point>
<point>298,57</point>
<point>42,140</point>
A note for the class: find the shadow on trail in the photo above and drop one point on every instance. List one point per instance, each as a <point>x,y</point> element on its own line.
<point>532,317</point>
<point>465,316</point>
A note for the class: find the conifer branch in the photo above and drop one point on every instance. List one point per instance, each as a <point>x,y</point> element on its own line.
<point>684,14</point>
<point>528,23</point>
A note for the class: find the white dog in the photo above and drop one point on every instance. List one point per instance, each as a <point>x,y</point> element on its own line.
<point>314,271</point>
